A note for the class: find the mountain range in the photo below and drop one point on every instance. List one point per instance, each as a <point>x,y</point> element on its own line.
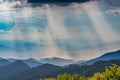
<point>31,62</point>
<point>4,62</point>
<point>32,69</point>
<point>48,70</point>
<point>105,57</point>
<point>57,61</point>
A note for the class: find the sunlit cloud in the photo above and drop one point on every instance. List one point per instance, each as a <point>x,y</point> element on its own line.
<point>6,4</point>
<point>73,31</point>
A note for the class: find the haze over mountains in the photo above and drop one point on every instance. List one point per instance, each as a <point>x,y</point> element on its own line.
<point>57,61</point>
<point>31,62</point>
<point>31,69</point>
<point>105,57</point>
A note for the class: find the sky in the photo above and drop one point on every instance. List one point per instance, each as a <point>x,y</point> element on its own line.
<point>78,31</point>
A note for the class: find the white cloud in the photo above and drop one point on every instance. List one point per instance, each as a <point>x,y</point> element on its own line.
<point>2,31</point>
<point>55,29</point>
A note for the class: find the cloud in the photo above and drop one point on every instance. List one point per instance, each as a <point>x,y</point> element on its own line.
<point>115,12</point>
<point>69,32</point>
<point>7,5</point>
<point>2,31</point>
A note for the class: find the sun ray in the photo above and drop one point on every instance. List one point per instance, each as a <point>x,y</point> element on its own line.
<point>100,24</point>
<point>55,31</point>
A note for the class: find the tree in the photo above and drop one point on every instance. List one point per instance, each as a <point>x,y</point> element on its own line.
<point>75,77</point>
<point>111,73</point>
<point>63,77</point>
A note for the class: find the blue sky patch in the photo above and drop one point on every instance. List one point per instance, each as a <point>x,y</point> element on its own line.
<point>6,26</point>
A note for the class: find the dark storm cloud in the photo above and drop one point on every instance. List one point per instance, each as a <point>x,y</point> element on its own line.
<point>57,1</point>
<point>114,2</point>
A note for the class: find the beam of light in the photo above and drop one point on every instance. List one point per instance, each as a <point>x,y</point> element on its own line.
<point>87,34</point>
<point>102,27</point>
<point>25,13</point>
<point>96,49</point>
<point>28,30</point>
<point>54,31</point>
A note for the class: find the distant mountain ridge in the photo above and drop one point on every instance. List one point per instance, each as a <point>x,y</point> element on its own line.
<point>61,62</point>
<point>57,61</point>
<point>32,62</point>
<point>4,62</point>
<point>1,58</point>
<point>12,60</point>
<point>105,57</point>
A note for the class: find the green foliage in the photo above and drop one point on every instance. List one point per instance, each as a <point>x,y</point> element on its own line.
<point>111,73</point>
<point>63,77</point>
<point>75,77</point>
<point>83,78</point>
<point>48,79</point>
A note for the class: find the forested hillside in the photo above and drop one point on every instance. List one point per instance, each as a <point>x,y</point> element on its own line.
<point>111,73</point>
<point>47,70</point>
